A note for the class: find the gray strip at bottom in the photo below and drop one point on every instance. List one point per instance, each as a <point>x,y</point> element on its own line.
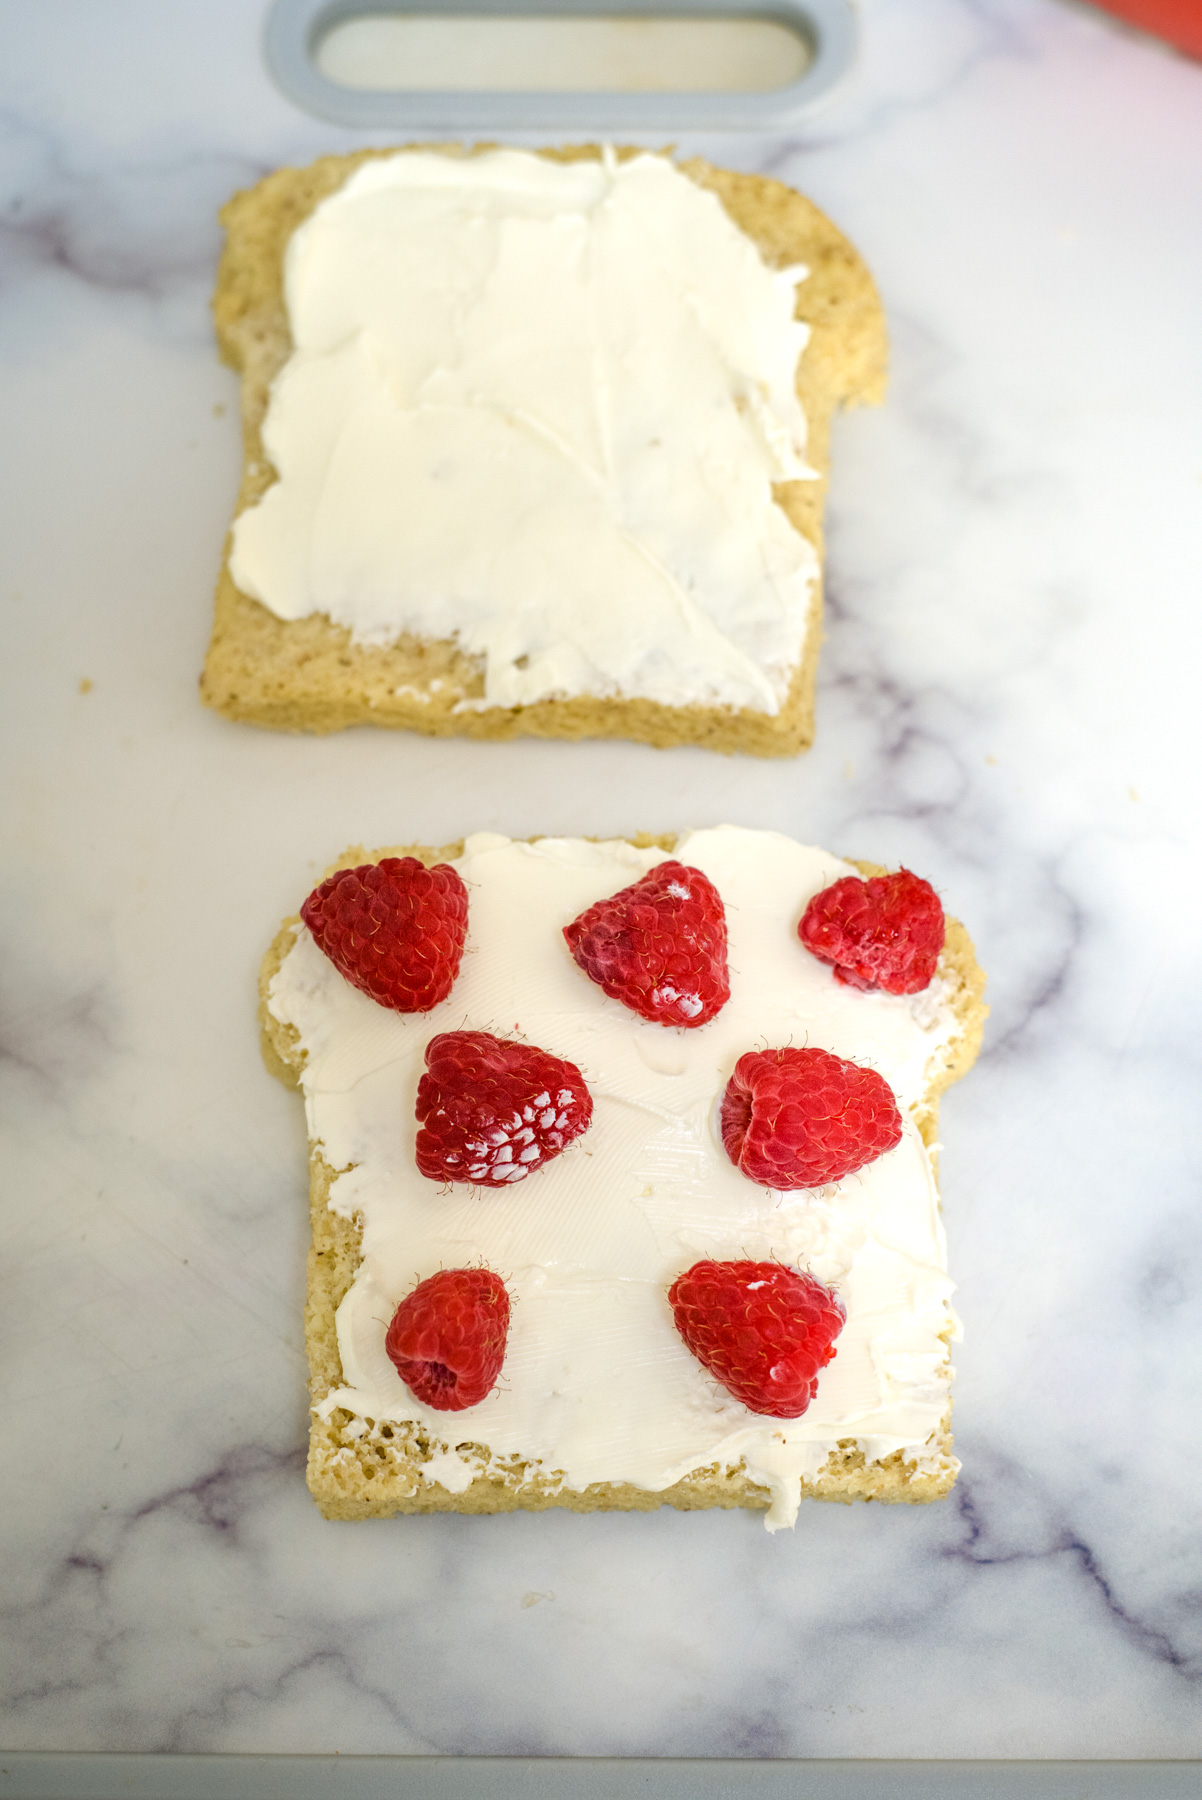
<point>55,1775</point>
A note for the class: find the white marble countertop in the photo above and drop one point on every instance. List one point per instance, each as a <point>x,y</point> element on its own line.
<point>1008,703</point>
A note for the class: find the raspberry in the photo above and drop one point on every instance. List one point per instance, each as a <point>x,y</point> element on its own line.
<point>798,1118</point>
<point>765,1332</point>
<point>493,1111</point>
<point>658,946</point>
<point>886,932</point>
<point>447,1338</point>
<point>394,929</point>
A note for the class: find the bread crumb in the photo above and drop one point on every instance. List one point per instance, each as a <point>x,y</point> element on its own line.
<point>85,686</point>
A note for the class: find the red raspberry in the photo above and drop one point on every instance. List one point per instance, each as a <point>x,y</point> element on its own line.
<point>658,946</point>
<point>493,1111</point>
<point>886,932</point>
<point>798,1118</point>
<point>447,1338</point>
<point>764,1331</point>
<point>394,929</point>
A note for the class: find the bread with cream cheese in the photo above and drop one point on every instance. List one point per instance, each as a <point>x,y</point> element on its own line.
<point>308,674</point>
<point>361,1468</point>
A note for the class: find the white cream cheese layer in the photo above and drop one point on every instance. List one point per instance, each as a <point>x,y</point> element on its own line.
<point>597,1385</point>
<point>539,408</point>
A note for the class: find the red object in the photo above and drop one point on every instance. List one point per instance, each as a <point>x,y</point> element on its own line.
<point>886,932</point>
<point>447,1338</point>
<point>394,929</point>
<point>492,1111</point>
<point>765,1332</point>
<point>658,946</point>
<point>1178,21</point>
<point>799,1118</point>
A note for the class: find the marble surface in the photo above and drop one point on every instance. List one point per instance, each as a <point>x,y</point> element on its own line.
<point>1008,703</point>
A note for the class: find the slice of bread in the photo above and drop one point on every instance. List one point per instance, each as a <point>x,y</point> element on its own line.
<point>308,675</point>
<point>365,1468</point>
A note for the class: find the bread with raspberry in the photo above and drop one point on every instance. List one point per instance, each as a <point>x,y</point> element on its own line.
<point>308,674</point>
<point>362,1467</point>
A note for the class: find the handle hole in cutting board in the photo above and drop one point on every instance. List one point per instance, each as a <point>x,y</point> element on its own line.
<point>508,53</point>
<point>595,66</point>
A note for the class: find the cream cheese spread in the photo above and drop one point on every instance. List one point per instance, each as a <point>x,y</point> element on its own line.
<point>539,408</point>
<point>597,1385</point>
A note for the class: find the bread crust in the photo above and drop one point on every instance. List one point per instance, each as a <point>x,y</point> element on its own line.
<point>378,1474</point>
<point>307,674</point>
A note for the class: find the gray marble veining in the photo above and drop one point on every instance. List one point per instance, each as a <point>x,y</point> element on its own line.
<point>1008,704</point>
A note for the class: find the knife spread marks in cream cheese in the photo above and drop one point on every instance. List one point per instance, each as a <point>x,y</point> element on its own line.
<point>597,1386</point>
<point>539,408</point>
